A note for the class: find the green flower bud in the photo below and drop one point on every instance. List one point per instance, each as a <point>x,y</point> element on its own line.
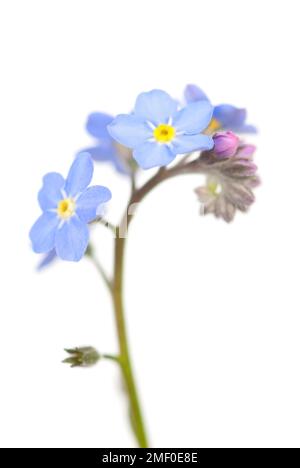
<point>82,357</point>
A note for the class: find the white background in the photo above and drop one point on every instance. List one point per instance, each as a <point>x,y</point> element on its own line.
<point>213,309</point>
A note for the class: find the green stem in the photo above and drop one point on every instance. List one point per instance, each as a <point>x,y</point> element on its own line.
<point>123,359</point>
<point>124,354</point>
<point>111,357</point>
<point>90,253</point>
<point>117,287</point>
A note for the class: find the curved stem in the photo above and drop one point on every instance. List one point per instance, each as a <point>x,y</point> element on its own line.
<point>117,287</point>
<point>90,253</point>
<point>193,167</point>
<point>105,223</point>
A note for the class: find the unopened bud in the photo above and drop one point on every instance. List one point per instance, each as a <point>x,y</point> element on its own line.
<point>82,357</point>
<point>226,144</point>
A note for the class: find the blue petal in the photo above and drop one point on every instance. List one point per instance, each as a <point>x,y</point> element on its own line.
<point>155,106</point>
<point>229,115</point>
<point>193,93</point>
<point>89,201</point>
<point>246,128</point>
<point>233,118</point>
<point>71,240</point>
<point>129,130</point>
<point>121,165</point>
<point>152,154</point>
<point>47,260</point>
<point>194,117</point>
<point>80,174</point>
<point>42,234</point>
<point>50,193</point>
<point>104,151</point>
<point>97,124</point>
<point>188,143</point>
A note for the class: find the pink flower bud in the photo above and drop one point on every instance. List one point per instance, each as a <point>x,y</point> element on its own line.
<point>226,144</point>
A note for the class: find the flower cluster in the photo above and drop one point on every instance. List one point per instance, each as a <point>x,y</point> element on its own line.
<point>193,137</point>
<point>231,177</point>
<point>157,131</point>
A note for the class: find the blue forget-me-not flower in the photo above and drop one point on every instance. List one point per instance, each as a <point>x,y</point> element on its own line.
<point>68,206</point>
<point>157,130</point>
<point>225,116</point>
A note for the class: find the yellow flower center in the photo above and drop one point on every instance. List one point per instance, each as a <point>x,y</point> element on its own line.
<point>213,126</point>
<point>66,208</point>
<point>164,133</point>
<point>214,187</point>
